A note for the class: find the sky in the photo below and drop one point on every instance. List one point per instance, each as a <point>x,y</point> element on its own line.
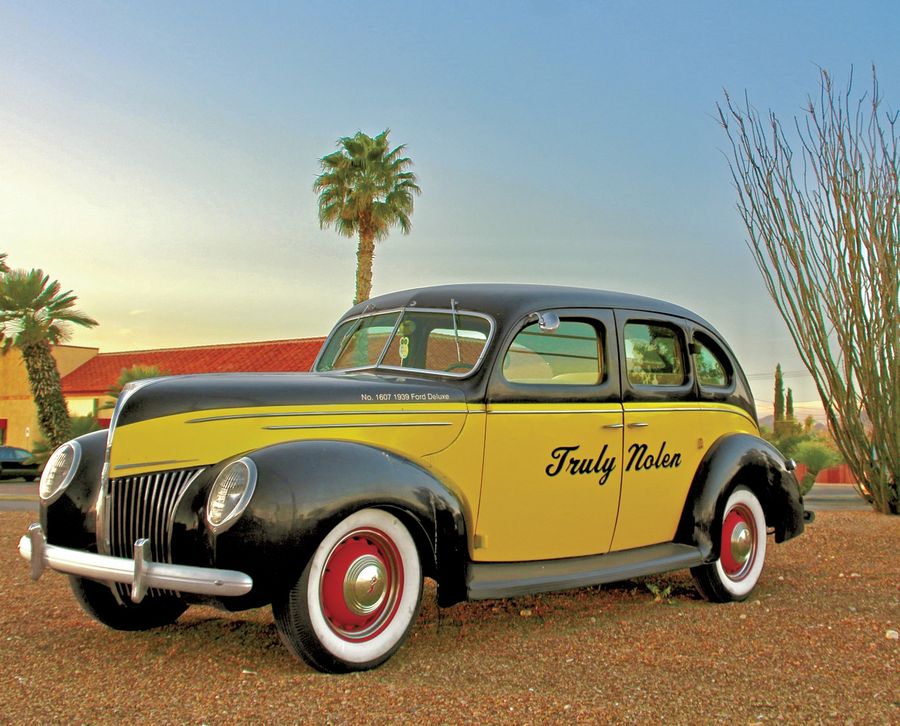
<point>158,158</point>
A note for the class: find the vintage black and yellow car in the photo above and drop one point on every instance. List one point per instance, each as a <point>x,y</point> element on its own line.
<point>500,439</point>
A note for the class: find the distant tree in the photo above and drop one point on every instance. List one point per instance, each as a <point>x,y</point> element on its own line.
<point>779,393</point>
<point>781,424</point>
<point>3,267</point>
<point>823,228</point>
<point>35,314</point>
<point>789,406</point>
<point>366,188</point>
<point>127,375</point>
<point>816,455</point>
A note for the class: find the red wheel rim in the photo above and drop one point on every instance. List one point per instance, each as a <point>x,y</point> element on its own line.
<point>361,585</point>
<point>738,546</point>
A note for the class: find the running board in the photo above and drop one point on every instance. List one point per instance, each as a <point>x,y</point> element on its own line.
<point>486,580</point>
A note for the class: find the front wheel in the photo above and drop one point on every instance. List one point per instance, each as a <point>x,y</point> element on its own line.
<point>98,601</point>
<point>742,551</point>
<point>357,597</point>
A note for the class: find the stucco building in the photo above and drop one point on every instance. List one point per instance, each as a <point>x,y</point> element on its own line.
<point>87,375</point>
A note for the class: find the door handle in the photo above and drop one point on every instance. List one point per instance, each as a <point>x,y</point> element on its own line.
<point>638,425</point>
<point>614,426</point>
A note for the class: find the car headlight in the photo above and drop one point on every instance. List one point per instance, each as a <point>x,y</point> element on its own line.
<point>59,471</point>
<point>230,494</point>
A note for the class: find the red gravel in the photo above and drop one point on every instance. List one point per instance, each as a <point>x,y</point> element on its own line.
<point>814,644</point>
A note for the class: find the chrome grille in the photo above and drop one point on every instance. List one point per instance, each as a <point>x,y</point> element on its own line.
<point>144,506</point>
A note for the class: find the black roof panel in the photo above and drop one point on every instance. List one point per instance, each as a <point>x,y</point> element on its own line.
<point>506,301</point>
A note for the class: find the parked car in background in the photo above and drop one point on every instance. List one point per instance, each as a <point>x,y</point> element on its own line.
<point>16,463</point>
<point>500,439</point>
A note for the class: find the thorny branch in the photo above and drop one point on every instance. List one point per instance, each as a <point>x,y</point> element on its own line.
<point>823,230</point>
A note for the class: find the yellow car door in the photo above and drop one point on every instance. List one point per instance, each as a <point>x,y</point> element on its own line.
<point>553,440</point>
<point>672,417</point>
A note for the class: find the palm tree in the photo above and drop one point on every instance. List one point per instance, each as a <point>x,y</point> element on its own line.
<point>365,189</point>
<point>34,315</point>
<point>136,372</point>
<point>3,268</point>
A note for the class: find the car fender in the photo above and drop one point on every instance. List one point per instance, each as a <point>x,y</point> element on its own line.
<point>740,459</point>
<point>70,521</point>
<point>304,488</point>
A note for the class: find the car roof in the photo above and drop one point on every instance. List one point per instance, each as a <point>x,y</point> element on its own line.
<point>511,301</point>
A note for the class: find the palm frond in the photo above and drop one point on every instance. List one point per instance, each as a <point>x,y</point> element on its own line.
<point>32,309</point>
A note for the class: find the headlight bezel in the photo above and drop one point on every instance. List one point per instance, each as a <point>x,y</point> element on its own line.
<point>224,507</point>
<point>50,491</point>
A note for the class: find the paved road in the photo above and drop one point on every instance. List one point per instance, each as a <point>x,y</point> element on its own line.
<point>834,497</point>
<point>17,494</point>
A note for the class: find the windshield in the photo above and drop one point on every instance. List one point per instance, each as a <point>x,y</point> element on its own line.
<point>436,341</point>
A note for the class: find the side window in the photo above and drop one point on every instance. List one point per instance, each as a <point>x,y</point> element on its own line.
<point>569,355</point>
<point>654,355</point>
<point>710,362</point>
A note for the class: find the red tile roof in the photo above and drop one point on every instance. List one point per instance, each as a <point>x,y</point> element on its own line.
<point>100,373</point>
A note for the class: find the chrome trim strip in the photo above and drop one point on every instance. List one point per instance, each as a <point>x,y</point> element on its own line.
<point>695,409</point>
<point>140,573</point>
<point>661,409</point>
<point>362,412</point>
<point>617,412</point>
<point>288,427</point>
<point>155,463</point>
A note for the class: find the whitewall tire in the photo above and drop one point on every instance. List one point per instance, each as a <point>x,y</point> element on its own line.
<point>742,551</point>
<point>357,597</point>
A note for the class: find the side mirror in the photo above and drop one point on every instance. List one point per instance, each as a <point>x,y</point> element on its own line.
<point>548,322</point>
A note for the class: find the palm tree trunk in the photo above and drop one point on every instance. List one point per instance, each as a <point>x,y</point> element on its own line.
<point>43,375</point>
<point>365,253</point>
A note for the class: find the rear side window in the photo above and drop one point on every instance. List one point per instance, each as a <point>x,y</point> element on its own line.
<point>710,362</point>
<point>569,355</point>
<point>654,355</point>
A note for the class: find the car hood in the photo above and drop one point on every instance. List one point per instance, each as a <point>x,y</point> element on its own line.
<point>196,393</point>
<point>196,421</point>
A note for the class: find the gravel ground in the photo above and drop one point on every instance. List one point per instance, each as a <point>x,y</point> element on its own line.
<point>816,643</point>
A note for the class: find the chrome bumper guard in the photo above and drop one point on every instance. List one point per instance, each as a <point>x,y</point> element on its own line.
<point>141,572</point>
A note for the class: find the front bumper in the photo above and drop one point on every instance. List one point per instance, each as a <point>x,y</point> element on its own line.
<point>141,573</point>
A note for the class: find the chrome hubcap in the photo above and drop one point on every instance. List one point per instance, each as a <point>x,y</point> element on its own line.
<point>361,585</point>
<point>738,543</point>
<point>364,585</point>
<point>741,543</point>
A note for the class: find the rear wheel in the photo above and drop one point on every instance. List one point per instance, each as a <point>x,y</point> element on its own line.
<point>357,597</point>
<point>742,551</point>
<point>98,601</point>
